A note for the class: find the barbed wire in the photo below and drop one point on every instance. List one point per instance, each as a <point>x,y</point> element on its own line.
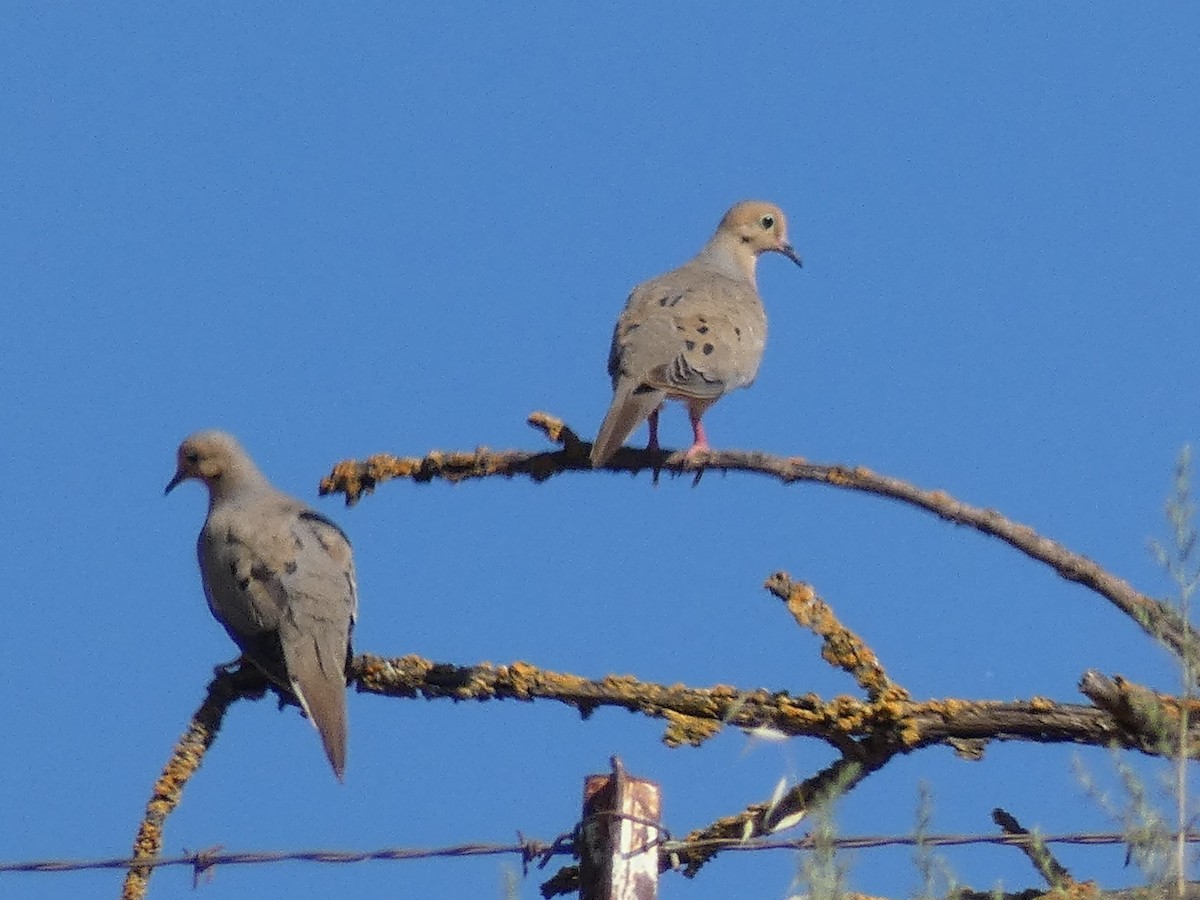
<point>204,860</point>
<point>929,840</point>
<point>541,852</point>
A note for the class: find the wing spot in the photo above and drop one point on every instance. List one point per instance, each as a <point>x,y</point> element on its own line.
<point>737,331</point>
<point>703,329</point>
<point>290,567</point>
<point>691,345</point>
<point>708,348</point>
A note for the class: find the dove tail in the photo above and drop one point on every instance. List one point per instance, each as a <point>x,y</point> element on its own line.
<point>322,693</point>
<point>630,408</point>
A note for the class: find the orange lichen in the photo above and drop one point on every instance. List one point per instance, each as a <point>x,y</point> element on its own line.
<point>839,476</point>
<point>910,735</point>
<point>621,681</point>
<point>551,426</point>
<point>947,708</point>
<point>684,729</point>
<point>842,647</point>
<point>791,718</point>
<point>185,759</point>
<point>893,694</point>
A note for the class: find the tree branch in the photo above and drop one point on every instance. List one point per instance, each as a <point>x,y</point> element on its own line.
<point>866,734</point>
<point>354,479</point>
<point>223,690</point>
<point>693,715</point>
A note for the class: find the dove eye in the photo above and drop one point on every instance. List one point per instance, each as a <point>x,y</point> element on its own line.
<point>192,458</point>
<point>767,221</point>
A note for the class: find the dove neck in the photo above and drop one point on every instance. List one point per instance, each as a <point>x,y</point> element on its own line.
<point>239,484</point>
<point>730,258</point>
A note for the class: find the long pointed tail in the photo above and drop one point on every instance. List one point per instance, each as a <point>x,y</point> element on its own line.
<point>629,409</point>
<point>321,690</point>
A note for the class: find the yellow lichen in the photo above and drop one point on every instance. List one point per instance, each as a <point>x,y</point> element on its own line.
<point>910,735</point>
<point>951,707</point>
<point>550,425</point>
<point>893,693</point>
<point>684,729</point>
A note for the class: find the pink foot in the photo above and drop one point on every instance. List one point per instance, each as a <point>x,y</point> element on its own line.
<point>699,439</point>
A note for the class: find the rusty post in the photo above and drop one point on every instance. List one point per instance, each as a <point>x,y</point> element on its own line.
<point>618,850</point>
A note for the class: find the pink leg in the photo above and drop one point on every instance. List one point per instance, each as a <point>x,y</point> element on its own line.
<point>652,444</point>
<point>699,439</point>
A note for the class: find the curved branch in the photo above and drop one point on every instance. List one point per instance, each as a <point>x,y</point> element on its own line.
<point>223,690</point>
<point>354,479</point>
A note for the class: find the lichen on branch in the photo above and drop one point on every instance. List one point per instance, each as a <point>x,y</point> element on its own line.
<point>354,479</point>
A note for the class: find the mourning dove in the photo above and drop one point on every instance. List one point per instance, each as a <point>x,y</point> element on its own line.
<point>279,576</point>
<point>695,333</point>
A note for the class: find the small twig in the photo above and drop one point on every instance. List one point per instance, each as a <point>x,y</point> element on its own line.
<point>842,647</point>
<point>1035,848</point>
<point>1155,719</point>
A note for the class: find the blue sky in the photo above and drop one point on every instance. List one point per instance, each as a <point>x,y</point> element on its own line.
<point>336,232</point>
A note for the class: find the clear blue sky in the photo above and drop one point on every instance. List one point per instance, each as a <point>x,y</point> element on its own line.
<point>341,232</point>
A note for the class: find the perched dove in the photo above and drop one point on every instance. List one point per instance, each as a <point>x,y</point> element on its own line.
<point>279,576</point>
<point>695,333</point>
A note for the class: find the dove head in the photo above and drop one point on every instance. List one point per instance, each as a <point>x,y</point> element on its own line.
<point>215,458</point>
<point>759,227</point>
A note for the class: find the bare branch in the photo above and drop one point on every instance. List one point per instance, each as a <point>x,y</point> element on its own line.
<point>866,734</point>
<point>354,479</point>
<point>1158,718</point>
<point>185,759</point>
<point>1035,848</point>
<point>696,714</point>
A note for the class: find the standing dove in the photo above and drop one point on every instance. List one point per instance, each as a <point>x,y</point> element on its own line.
<point>279,576</point>
<point>695,333</point>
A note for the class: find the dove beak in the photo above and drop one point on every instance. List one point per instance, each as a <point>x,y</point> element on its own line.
<point>790,252</point>
<point>174,482</point>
